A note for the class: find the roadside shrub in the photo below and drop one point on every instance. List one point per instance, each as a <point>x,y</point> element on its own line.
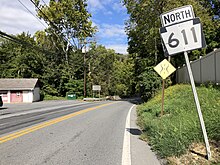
<point>149,83</point>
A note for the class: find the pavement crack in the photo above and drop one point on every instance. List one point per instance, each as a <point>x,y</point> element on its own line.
<point>52,155</point>
<point>48,158</point>
<point>75,136</point>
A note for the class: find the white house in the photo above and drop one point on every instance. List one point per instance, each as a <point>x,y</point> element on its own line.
<point>19,90</point>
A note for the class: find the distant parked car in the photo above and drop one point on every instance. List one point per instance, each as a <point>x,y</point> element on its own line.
<point>1,102</point>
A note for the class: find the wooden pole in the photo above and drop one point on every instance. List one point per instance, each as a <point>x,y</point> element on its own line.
<point>162,109</point>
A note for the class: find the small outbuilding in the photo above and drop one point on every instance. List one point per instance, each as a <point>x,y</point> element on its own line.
<point>19,90</point>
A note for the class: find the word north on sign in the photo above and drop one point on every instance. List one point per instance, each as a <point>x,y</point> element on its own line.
<point>177,15</point>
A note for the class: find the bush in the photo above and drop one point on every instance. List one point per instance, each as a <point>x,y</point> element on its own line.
<point>149,83</point>
<point>172,133</point>
<point>49,97</point>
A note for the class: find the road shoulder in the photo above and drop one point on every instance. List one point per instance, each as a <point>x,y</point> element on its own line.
<point>141,153</point>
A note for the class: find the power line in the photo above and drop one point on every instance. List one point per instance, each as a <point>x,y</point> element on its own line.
<point>52,23</point>
<point>22,42</point>
<point>8,38</point>
<point>31,12</point>
<point>38,18</point>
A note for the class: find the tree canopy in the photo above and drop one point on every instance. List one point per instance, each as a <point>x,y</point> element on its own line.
<point>144,22</point>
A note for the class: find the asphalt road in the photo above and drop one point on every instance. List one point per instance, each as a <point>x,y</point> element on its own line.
<point>63,133</point>
<point>94,137</point>
<point>17,116</point>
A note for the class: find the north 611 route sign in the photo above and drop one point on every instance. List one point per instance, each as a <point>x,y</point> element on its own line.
<point>181,31</point>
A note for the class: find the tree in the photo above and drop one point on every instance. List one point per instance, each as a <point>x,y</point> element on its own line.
<point>21,59</point>
<point>122,78</point>
<point>100,67</point>
<point>68,21</point>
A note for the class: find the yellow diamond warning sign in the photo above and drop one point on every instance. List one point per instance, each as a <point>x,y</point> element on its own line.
<point>164,69</point>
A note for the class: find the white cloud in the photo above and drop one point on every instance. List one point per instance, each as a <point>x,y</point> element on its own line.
<point>16,19</point>
<point>111,30</point>
<point>118,7</point>
<point>106,6</point>
<point>112,36</point>
<point>95,5</point>
<point>119,48</point>
<point>107,12</point>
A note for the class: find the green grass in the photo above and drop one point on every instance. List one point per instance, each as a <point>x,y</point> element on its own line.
<point>49,97</point>
<point>171,134</point>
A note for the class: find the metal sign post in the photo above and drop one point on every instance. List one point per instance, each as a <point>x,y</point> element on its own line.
<point>182,32</point>
<point>198,105</point>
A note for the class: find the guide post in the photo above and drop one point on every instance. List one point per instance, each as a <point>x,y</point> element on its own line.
<point>182,32</point>
<point>198,105</point>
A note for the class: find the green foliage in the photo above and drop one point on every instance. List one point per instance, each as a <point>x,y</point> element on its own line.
<point>60,69</point>
<point>144,22</point>
<point>172,133</point>
<point>20,60</point>
<point>103,67</point>
<point>68,19</point>
<point>75,86</point>
<point>122,78</point>
<point>149,83</point>
<point>112,71</point>
<point>100,65</point>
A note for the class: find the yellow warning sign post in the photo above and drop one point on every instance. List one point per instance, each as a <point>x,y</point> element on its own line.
<point>164,69</point>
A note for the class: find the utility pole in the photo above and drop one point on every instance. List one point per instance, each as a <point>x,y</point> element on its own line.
<point>84,63</point>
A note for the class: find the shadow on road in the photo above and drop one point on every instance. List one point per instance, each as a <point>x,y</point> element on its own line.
<point>135,100</point>
<point>3,108</point>
<point>134,131</point>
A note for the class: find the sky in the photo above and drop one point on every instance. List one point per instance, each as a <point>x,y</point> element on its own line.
<point>108,15</point>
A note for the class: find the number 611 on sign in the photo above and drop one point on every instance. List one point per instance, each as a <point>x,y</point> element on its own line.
<point>184,36</point>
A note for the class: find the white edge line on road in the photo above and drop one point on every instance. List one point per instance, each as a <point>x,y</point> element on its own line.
<point>126,152</point>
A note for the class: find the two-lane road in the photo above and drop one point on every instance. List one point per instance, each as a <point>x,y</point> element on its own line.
<point>87,134</point>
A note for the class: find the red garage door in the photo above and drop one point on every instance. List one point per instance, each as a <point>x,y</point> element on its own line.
<point>16,96</point>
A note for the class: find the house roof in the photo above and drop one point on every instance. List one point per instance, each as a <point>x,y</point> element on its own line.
<point>18,84</point>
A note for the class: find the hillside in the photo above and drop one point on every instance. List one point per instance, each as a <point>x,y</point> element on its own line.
<point>179,129</point>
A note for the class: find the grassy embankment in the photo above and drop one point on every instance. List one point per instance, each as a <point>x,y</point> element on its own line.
<point>179,127</point>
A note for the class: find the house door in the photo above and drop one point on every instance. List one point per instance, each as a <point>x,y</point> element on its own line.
<point>16,96</point>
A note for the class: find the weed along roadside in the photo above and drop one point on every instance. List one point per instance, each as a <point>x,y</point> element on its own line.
<point>175,135</point>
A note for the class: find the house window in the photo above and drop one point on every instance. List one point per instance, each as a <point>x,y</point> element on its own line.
<point>18,94</point>
<point>3,94</point>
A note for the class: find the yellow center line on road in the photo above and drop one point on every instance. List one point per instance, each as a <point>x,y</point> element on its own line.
<point>47,123</point>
